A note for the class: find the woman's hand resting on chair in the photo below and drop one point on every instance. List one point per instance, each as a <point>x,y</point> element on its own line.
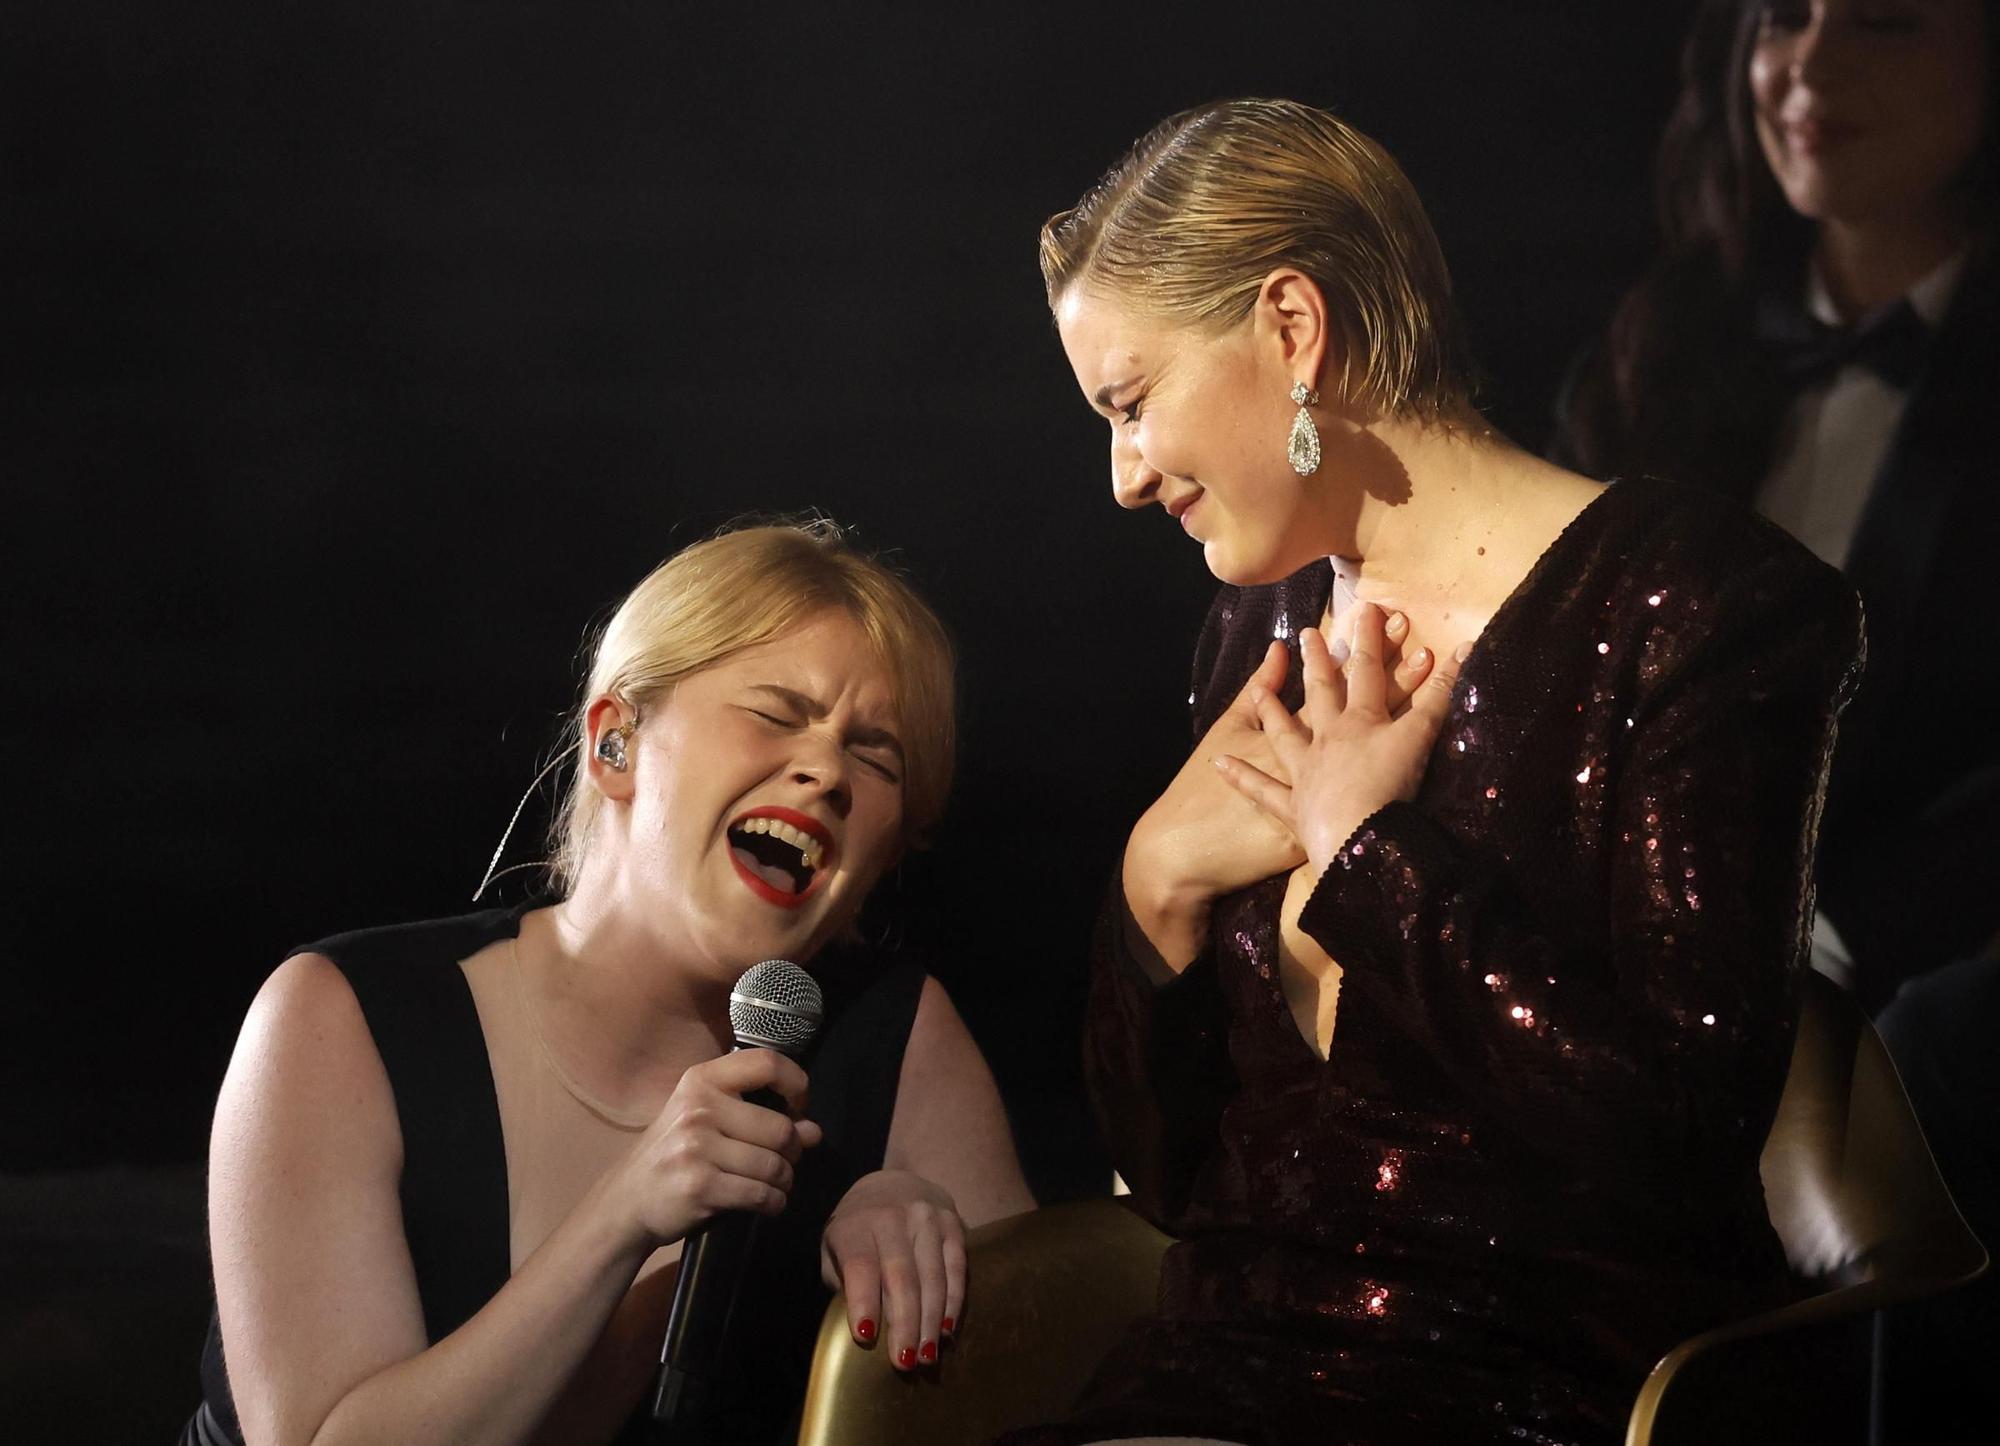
<point>896,1246</point>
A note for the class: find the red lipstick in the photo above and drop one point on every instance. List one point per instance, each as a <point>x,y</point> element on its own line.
<point>763,888</point>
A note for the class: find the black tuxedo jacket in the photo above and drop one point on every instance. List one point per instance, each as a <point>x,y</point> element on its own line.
<point>1910,849</point>
<point>1909,859</point>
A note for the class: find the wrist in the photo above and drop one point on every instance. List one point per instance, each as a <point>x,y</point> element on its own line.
<point>1166,924</point>
<point>612,1217</point>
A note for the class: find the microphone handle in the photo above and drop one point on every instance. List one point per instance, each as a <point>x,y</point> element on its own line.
<point>699,1317</point>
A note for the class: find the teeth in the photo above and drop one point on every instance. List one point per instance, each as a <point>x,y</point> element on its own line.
<point>798,838</point>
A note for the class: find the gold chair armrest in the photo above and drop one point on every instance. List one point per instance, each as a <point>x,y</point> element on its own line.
<point>1957,1262</point>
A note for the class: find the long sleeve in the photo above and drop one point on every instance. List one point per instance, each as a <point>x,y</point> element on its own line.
<point>1156,1054</point>
<point>1156,1062</point>
<point>1646,1058</point>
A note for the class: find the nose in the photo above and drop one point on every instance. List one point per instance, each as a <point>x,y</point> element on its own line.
<point>822,767</point>
<point>1134,481</point>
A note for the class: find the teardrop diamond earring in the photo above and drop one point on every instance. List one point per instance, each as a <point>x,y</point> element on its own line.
<point>1302,447</point>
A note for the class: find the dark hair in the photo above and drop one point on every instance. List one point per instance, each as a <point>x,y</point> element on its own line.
<point>1677,387</point>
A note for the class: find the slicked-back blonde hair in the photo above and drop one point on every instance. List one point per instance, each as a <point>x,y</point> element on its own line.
<point>1211,201</point>
<point>747,586</point>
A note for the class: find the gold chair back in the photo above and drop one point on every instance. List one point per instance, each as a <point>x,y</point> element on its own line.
<point>1864,1216</point>
<point>1063,1285</point>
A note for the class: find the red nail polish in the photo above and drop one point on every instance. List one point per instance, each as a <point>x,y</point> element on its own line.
<point>906,1358</point>
<point>928,1353</point>
<point>865,1332</point>
<point>948,1325</point>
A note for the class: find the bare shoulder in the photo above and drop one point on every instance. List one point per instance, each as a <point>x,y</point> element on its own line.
<point>305,1054</point>
<point>949,1124</point>
<point>941,1059</point>
<point>938,1035</point>
<point>313,1281</point>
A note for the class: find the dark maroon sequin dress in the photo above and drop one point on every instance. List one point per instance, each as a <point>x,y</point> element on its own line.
<point>1529,1165</point>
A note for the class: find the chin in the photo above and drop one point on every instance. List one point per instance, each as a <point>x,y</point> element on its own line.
<point>1231,566</point>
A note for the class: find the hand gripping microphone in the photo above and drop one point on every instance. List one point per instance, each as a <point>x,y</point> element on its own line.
<point>775,1005</point>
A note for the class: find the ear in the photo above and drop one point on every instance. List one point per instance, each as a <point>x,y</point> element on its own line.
<point>1290,315</point>
<point>604,716</point>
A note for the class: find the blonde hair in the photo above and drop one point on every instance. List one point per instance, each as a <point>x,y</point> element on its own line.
<point>748,586</point>
<point>1211,201</point>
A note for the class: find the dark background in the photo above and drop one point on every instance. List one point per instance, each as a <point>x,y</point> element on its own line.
<point>356,357</point>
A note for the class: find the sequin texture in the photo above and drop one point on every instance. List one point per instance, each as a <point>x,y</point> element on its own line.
<point>1529,1164</point>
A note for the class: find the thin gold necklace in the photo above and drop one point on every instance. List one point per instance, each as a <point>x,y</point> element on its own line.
<point>617,1119</point>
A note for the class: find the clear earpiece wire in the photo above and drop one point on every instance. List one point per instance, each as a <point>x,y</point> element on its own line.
<point>494,863</point>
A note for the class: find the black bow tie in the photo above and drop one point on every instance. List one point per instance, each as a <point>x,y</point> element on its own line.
<point>1890,341</point>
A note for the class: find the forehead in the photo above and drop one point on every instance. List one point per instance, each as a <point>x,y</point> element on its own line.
<point>1103,331</point>
<point>826,657</point>
<point>1097,321</point>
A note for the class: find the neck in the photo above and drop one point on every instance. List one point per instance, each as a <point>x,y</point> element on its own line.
<point>1868,264</point>
<point>1449,534</point>
<point>623,1008</point>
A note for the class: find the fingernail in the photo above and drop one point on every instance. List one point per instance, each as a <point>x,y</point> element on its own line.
<point>1462,652</point>
<point>1420,658</point>
<point>947,1326</point>
<point>1221,764</point>
<point>928,1353</point>
<point>1397,623</point>
<point>906,1359</point>
<point>865,1332</point>
<point>1340,650</point>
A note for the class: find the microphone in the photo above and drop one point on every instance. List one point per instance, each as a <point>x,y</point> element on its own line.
<point>775,1005</point>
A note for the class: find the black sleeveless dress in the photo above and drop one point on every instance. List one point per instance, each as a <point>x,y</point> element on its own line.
<point>454,1187</point>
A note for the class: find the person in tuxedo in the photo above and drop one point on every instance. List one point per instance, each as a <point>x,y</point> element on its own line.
<point>1444,996</point>
<point>1820,336</point>
<point>454,1162</point>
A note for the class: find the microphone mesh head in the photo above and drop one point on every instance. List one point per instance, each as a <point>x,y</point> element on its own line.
<point>776,1005</point>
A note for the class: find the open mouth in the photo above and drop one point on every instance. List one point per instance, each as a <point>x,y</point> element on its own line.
<point>780,854</point>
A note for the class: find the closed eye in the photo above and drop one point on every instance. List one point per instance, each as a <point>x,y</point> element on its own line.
<point>878,766</point>
<point>865,754</point>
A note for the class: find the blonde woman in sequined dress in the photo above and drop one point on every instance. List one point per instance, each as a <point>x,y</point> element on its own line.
<point>1449,988</point>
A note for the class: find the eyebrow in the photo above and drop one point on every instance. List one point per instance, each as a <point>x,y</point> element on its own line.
<point>812,708</point>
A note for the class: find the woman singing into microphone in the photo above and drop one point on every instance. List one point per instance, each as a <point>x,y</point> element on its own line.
<point>1448,994</point>
<point>453,1162</point>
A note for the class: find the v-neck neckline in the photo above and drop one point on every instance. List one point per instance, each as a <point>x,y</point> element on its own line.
<point>1322,581</point>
